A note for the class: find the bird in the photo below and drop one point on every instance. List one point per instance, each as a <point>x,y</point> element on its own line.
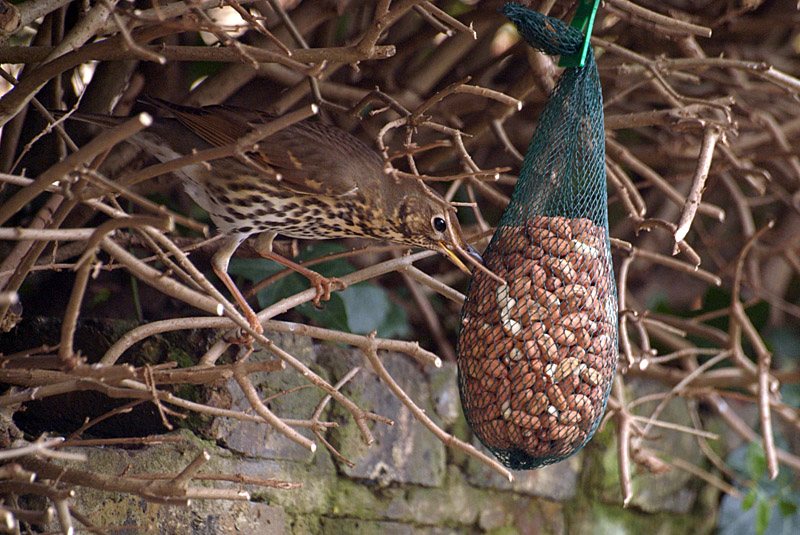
<point>310,180</point>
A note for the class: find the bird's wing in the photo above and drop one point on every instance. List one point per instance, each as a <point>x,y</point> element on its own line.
<point>306,155</point>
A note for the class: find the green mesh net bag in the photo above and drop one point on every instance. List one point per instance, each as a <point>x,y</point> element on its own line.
<point>537,356</point>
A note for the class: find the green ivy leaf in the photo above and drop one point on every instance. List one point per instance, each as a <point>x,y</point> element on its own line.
<point>749,500</point>
<point>102,295</point>
<point>331,315</point>
<point>367,307</point>
<point>396,323</point>
<point>360,309</point>
<point>258,269</point>
<point>756,461</point>
<point>253,269</point>
<point>787,507</point>
<point>763,513</point>
<point>719,298</point>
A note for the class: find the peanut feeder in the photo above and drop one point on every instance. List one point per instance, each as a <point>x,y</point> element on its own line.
<point>537,355</point>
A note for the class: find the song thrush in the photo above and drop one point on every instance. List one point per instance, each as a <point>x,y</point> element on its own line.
<point>309,180</point>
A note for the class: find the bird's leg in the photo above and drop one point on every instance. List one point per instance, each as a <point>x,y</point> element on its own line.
<point>220,262</point>
<point>323,285</point>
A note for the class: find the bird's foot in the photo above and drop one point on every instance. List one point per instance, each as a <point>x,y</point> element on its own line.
<point>324,286</point>
<point>239,337</point>
<point>252,319</point>
<point>242,337</point>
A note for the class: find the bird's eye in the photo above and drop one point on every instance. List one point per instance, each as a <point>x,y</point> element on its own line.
<point>439,224</point>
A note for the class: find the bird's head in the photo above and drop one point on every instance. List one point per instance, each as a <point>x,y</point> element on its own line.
<point>424,219</point>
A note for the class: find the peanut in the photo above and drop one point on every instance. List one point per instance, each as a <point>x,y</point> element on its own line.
<point>561,268</point>
<point>584,339</point>
<point>566,368</point>
<point>539,235</point>
<point>556,397</point>
<point>563,433</point>
<point>517,265</point>
<point>601,343</point>
<point>584,249</point>
<point>521,380</point>
<point>563,336</point>
<point>560,226</point>
<point>571,351</point>
<point>569,417</point>
<point>488,383</point>
<point>515,355</point>
<point>591,376</point>
<point>548,346</point>
<point>545,297</point>
<point>528,310</point>
<point>553,284</point>
<point>554,245</point>
<point>532,350</point>
<point>488,312</point>
<point>538,276</point>
<point>525,420</point>
<point>520,288</point>
<point>574,320</point>
<point>505,410</point>
<point>512,327</point>
<point>493,433</point>
<point>536,354</point>
<point>570,293</point>
<point>583,405</point>
<point>503,296</point>
<point>539,403</point>
<point>511,239</point>
<point>490,412</point>
<point>515,434</point>
<point>487,367</point>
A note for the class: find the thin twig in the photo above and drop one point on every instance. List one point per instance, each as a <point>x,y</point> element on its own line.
<point>60,170</point>
<point>663,22</point>
<point>447,439</point>
<point>765,384</point>
<point>262,410</point>
<point>624,423</point>
<point>712,134</point>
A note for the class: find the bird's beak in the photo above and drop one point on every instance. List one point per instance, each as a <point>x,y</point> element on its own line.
<point>467,250</point>
<point>457,244</point>
<point>454,258</point>
<point>473,253</point>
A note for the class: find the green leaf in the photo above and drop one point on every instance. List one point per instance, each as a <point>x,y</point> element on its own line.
<point>102,295</point>
<point>790,393</point>
<point>753,515</point>
<point>717,298</point>
<point>758,314</point>
<point>749,500</point>
<point>396,323</point>
<point>756,461</point>
<point>253,269</point>
<point>763,513</point>
<point>367,307</point>
<point>284,287</point>
<point>360,309</point>
<point>258,269</point>
<point>342,27</point>
<point>786,507</point>
<point>332,268</point>
<point>331,315</point>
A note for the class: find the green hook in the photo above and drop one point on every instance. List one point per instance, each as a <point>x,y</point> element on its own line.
<point>584,21</point>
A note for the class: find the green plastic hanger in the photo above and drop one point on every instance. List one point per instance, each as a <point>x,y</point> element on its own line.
<point>584,21</point>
